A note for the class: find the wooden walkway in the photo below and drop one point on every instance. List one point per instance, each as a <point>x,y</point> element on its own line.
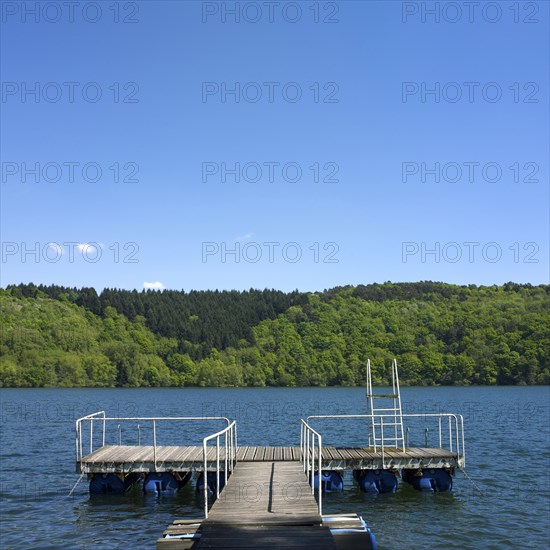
<point>127,459</point>
<point>267,505</point>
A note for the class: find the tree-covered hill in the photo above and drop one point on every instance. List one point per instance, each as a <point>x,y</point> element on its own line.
<point>440,334</point>
<point>199,320</point>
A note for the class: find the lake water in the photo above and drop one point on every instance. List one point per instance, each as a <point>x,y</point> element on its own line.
<point>507,455</point>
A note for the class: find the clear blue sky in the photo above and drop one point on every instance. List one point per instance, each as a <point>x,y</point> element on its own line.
<point>356,117</point>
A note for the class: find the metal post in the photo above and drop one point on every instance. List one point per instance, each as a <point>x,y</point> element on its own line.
<point>303,445</point>
<point>304,429</point>
<point>440,434</point>
<point>310,453</point>
<point>306,460</point>
<point>457,437</point>
<point>426,430</point>
<point>119,434</point>
<point>234,444</point>
<point>218,467</point>
<point>462,433</point>
<point>225,456</point>
<point>91,434</point>
<point>155,443</point>
<point>139,435</point>
<point>205,491</point>
<point>103,438</point>
<point>313,464</point>
<point>76,442</point>
<point>307,453</point>
<point>407,437</point>
<point>320,478</point>
<point>382,434</point>
<point>450,435</point>
<point>231,449</point>
<point>457,441</point>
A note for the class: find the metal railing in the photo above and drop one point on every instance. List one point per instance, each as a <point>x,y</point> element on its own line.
<point>307,457</point>
<point>230,458</point>
<point>450,437</point>
<point>78,441</point>
<point>89,420</point>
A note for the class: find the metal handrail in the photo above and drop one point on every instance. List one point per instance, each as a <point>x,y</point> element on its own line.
<point>100,416</point>
<point>230,451</point>
<point>307,455</point>
<point>455,428</point>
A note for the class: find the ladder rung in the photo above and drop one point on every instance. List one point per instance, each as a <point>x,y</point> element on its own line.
<point>395,409</point>
<point>384,396</point>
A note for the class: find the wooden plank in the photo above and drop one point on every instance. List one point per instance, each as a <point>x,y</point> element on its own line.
<point>126,454</point>
<point>175,544</point>
<point>354,453</point>
<point>342,453</point>
<point>287,454</point>
<point>241,453</point>
<point>173,454</point>
<point>96,455</point>
<point>250,452</point>
<point>415,453</point>
<point>266,537</point>
<point>367,453</point>
<point>117,454</point>
<point>266,519</point>
<point>330,453</point>
<point>108,452</point>
<point>142,455</point>
<point>196,455</point>
<point>437,452</point>
<point>163,453</point>
<point>181,529</point>
<point>185,453</point>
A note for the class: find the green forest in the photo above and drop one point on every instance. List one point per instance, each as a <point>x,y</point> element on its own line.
<point>441,334</point>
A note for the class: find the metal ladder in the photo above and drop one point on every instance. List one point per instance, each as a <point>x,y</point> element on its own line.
<point>388,419</point>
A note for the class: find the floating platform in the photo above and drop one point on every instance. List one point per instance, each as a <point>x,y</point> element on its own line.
<point>144,459</point>
<point>264,496</point>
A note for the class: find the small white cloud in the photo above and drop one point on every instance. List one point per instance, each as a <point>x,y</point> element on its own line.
<point>87,248</point>
<point>157,285</point>
<point>243,238</point>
